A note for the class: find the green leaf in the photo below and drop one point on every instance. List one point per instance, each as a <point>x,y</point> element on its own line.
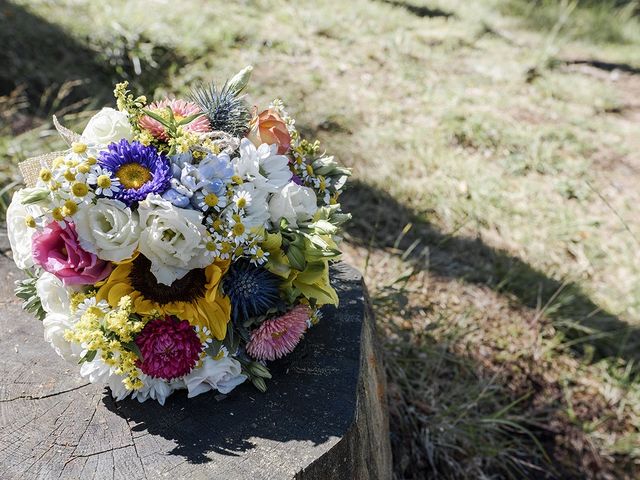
<point>259,383</point>
<point>88,357</point>
<point>259,370</point>
<point>156,117</point>
<point>323,227</point>
<point>214,349</point>
<point>36,195</point>
<point>296,257</point>
<point>189,119</point>
<point>133,347</point>
<point>317,241</point>
<point>172,118</point>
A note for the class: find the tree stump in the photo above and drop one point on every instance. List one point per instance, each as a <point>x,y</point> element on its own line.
<point>323,417</point>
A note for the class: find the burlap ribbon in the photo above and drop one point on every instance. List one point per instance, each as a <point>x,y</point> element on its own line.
<point>30,168</point>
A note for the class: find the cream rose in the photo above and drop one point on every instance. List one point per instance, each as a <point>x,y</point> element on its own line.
<point>294,203</point>
<point>109,229</point>
<point>106,126</point>
<point>173,239</point>
<point>53,294</point>
<point>55,324</point>
<point>223,375</point>
<point>17,230</point>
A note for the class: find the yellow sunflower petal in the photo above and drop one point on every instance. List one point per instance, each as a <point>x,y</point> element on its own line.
<point>215,315</point>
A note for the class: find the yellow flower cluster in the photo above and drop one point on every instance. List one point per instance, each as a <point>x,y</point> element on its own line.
<point>109,333</point>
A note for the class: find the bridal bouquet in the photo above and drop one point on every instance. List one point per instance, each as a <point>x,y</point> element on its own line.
<point>178,244</point>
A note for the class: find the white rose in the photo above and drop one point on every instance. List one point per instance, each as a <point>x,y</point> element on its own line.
<point>109,229</point>
<point>55,324</point>
<point>106,126</point>
<point>99,372</point>
<point>295,203</point>
<point>155,388</point>
<point>53,294</point>
<point>18,231</point>
<point>172,238</point>
<point>223,375</point>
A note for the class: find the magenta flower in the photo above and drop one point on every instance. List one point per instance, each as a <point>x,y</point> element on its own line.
<point>170,348</point>
<point>58,251</point>
<point>181,109</point>
<point>279,336</point>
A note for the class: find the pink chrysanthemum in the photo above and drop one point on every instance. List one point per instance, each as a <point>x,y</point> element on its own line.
<point>279,336</point>
<point>170,348</point>
<point>181,109</point>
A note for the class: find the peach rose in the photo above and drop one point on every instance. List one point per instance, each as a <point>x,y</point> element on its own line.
<point>268,127</point>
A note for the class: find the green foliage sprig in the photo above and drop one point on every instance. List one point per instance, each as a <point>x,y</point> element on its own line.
<point>26,290</point>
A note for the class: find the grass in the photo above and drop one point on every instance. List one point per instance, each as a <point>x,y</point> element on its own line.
<point>494,148</point>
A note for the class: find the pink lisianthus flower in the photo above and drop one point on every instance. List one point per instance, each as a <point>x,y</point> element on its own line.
<point>57,250</point>
<point>181,109</point>
<point>278,336</point>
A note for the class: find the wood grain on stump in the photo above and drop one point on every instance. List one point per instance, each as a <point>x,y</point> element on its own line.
<point>324,416</point>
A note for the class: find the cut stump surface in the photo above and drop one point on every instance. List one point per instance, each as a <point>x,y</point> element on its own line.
<point>324,416</point>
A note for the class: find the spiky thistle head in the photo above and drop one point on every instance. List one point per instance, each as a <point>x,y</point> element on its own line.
<point>226,110</point>
<point>253,290</point>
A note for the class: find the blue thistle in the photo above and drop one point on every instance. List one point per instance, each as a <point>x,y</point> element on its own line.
<point>252,290</point>
<point>225,109</point>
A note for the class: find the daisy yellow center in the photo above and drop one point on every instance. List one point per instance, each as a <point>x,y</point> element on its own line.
<point>57,215</point>
<point>104,181</point>
<point>133,175</point>
<point>30,221</point>
<point>45,175</point>
<point>79,189</point>
<point>238,229</point>
<point>93,310</point>
<point>70,208</point>
<point>79,147</point>
<point>241,202</point>
<point>211,200</point>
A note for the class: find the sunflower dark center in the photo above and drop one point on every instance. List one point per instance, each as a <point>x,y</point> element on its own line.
<point>187,289</point>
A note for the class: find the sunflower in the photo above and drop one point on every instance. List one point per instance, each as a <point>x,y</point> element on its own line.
<point>196,297</point>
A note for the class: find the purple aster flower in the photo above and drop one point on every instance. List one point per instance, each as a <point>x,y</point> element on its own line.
<point>140,169</point>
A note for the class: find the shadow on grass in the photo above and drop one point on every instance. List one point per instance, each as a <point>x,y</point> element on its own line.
<point>420,10</point>
<point>378,220</point>
<point>57,70</point>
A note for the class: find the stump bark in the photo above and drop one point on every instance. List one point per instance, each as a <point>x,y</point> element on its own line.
<point>324,416</point>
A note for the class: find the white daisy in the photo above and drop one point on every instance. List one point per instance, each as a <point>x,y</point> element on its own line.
<point>262,166</point>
